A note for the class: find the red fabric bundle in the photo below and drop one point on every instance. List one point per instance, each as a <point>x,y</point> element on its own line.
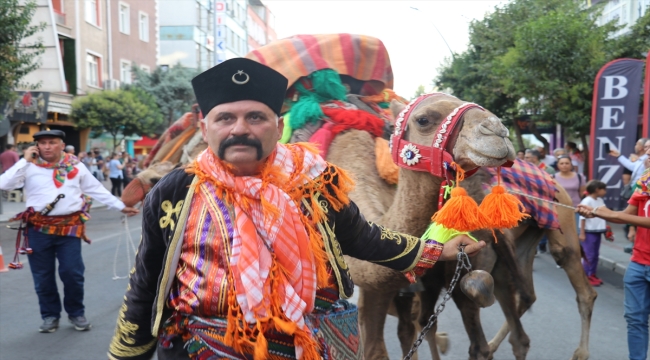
<point>354,119</point>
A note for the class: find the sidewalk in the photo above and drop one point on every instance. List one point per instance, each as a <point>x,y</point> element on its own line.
<point>612,256</point>
<point>10,209</point>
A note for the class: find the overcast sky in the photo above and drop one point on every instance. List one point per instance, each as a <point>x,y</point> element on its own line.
<point>416,49</point>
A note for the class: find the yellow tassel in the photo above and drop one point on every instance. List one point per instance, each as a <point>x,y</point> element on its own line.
<point>460,213</point>
<point>502,209</point>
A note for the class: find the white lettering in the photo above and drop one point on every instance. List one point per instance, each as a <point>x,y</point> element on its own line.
<point>610,117</point>
<point>602,140</point>
<point>610,86</point>
<point>610,171</point>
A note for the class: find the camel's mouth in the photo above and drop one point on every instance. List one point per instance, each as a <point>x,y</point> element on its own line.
<point>492,153</point>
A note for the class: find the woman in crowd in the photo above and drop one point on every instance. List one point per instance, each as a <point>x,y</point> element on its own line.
<point>115,174</point>
<point>573,182</point>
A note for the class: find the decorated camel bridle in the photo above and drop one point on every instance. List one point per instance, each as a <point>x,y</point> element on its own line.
<point>435,159</point>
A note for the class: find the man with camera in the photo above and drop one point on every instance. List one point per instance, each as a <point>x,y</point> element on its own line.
<point>54,183</point>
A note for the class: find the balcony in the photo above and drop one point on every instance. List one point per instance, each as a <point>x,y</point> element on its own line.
<point>59,18</point>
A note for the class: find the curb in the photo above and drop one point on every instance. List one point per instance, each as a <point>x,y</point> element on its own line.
<point>612,265</point>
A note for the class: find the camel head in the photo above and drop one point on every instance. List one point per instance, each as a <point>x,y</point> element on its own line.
<point>478,139</point>
<point>144,181</point>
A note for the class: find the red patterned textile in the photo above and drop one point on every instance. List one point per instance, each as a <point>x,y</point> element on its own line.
<point>527,178</point>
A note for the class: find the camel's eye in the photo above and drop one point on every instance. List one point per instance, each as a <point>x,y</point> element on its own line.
<point>422,121</point>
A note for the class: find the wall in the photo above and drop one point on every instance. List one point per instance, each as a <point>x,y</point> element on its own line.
<point>129,47</point>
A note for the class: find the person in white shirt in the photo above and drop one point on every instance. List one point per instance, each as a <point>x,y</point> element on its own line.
<point>547,159</point>
<point>635,162</point>
<point>55,228</point>
<point>592,229</point>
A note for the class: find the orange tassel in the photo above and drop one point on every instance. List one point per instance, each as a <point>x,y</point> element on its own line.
<point>460,213</point>
<point>503,210</point>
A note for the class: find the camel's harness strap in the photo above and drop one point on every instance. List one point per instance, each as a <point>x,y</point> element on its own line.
<point>462,263</point>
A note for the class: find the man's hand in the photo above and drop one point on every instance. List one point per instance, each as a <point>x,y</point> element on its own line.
<point>585,211</point>
<point>450,248</point>
<point>633,157</point>
<point>31,154</point>
<point>130,211</point>
<point>631,234</point>
<point>614,153</point>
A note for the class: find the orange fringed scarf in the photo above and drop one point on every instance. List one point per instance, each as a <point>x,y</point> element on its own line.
<point>278,259</point>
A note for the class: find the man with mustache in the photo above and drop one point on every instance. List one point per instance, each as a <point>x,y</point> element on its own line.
<point>242,252</point>
<point>45,172</point>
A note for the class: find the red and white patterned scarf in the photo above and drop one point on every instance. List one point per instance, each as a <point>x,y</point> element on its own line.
<point>260,233</point>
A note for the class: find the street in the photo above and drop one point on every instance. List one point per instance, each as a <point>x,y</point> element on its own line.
<point>553,324</point>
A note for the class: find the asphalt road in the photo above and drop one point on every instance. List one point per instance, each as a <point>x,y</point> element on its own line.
<point>553,324</point>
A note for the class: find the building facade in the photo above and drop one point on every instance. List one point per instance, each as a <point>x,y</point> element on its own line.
<point>230,36</point>
<point>260,24</point>
<point>88,45</point>
<point>624,12</point>
<point>187,33</point>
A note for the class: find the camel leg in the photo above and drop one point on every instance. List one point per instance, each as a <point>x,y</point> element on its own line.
<point>405,327</point>
<point>502,291</point>
<point>373,307</point>
<point>428,299</point>
<point>526,242</point>
<point>566,252</point>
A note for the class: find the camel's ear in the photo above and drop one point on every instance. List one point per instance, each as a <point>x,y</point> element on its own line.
<point>396,107</point>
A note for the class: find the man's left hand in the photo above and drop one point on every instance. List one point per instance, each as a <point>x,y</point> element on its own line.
<point>450,248</point>
<point>130,211</point>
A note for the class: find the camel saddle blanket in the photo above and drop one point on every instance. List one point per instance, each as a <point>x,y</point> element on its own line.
<point>337,331</point>
<point>527,178</point>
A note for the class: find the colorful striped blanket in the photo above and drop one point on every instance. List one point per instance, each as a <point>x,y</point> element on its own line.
<point>359,56</point>
<point>527,178</point>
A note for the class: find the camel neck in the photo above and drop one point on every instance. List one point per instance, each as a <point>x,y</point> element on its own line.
<point>415,202</point>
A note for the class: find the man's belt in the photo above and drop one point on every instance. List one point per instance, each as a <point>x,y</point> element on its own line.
<point>22,240</point>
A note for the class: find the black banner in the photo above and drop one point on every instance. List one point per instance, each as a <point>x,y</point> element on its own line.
<point>614,118</point>
<point>29,106</point>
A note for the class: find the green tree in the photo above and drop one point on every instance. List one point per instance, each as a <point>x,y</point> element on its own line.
<point>117,112</point>
<point>636,43</point>
<point>17,55</point>
<point>420,91</point>
<point>536,57</point>
<point>171,88</point>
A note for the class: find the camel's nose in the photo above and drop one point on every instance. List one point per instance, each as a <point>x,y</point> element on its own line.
<point>493,126</point>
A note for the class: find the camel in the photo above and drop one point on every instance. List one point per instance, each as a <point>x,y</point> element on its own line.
<point>414,203</point>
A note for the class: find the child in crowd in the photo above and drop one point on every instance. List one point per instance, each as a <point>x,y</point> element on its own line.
<point>591,230</point>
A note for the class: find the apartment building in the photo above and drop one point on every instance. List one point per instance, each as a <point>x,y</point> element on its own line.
<point>260,24</point>
<point>89,46</point>
<point>624,12</point>
<point>231,37</point>
<point>187,33</point>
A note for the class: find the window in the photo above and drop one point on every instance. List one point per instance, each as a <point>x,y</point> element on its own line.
<point>125,71</point>
<point>146,69</point>
<point>93,68</point>
<point>143,24</point>
<point>92,11</point>
<point>123,18</point>
<point>58,6</point>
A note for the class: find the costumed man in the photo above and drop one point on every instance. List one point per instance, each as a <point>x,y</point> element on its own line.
<point>54,183</point>
<point>242,251</point>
